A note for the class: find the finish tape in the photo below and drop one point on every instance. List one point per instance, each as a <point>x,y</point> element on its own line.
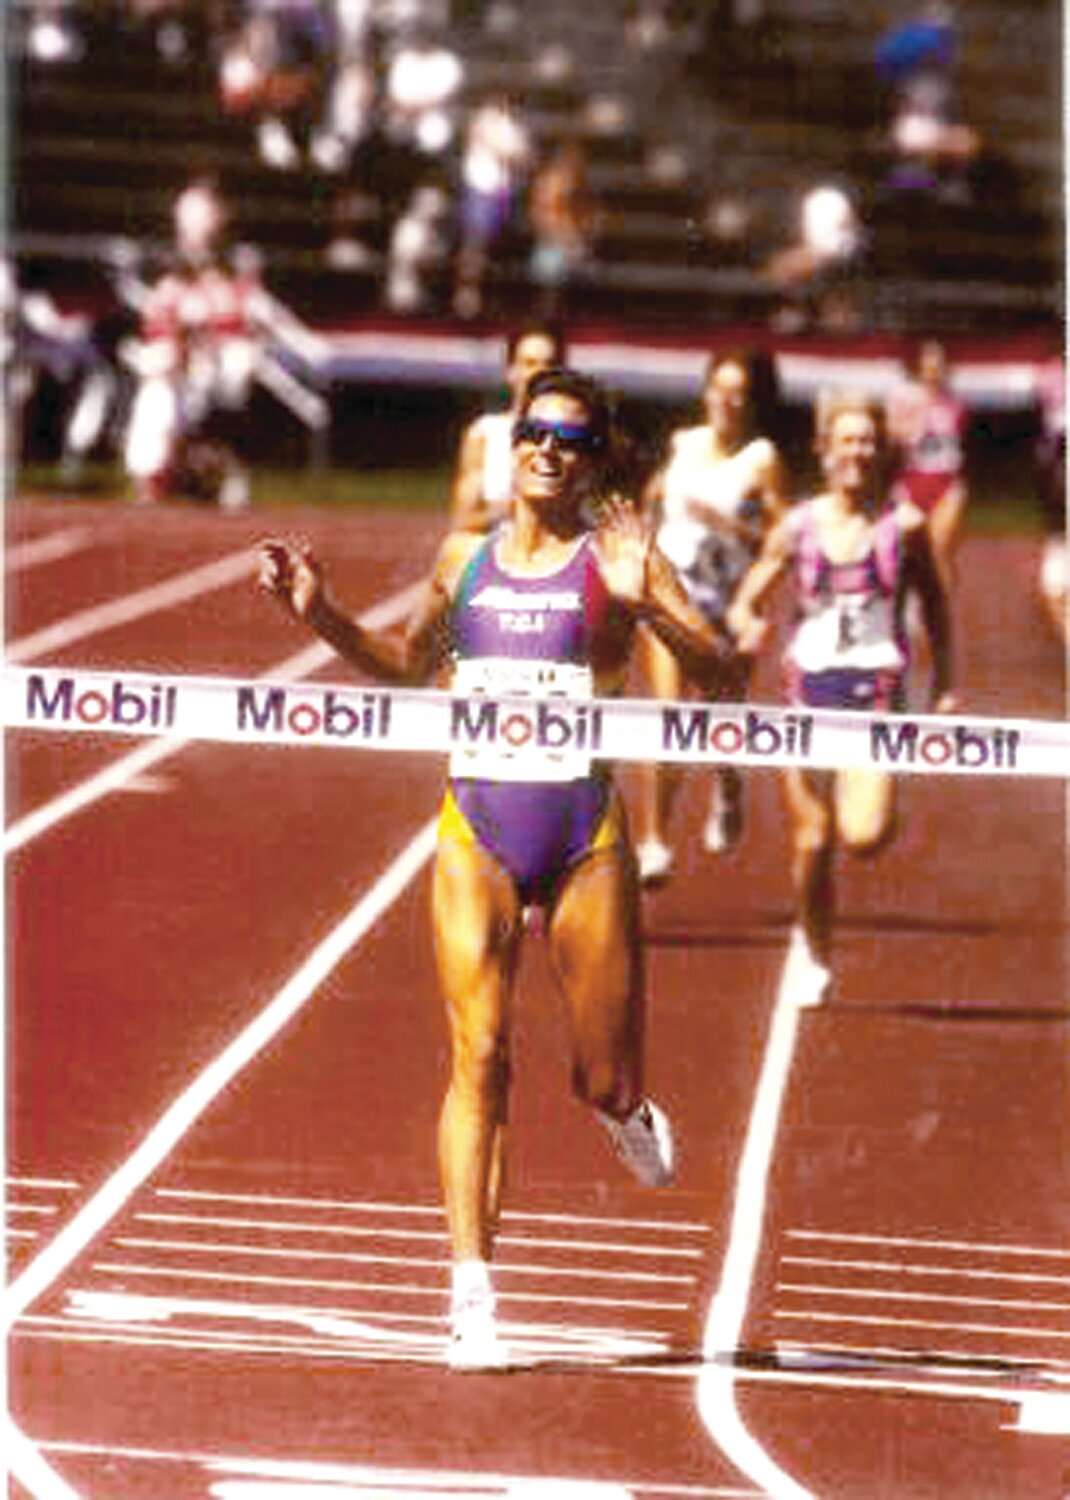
<point>535,737</point>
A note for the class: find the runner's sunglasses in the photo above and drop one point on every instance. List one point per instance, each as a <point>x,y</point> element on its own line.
<point>570,437</point>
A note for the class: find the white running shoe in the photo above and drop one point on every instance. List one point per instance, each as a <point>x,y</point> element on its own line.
<point>474,1340</point>
<point>644,1143</point>
<point>655,861</point>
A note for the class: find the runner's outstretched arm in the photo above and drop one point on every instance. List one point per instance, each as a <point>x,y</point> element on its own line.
<point>295,578</point>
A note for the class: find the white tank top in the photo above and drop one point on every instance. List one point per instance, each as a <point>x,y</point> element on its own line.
<point>497,430</point>
<point>723,485</point>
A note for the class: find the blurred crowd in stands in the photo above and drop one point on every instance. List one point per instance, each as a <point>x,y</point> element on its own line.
<point>381,103</point>
<point>430,178</point>
<point>375,100</point>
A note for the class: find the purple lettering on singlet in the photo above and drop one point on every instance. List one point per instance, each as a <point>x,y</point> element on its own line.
<point>500,614</point>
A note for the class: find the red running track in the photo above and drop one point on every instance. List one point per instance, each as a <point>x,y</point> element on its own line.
<point>226,1253</point>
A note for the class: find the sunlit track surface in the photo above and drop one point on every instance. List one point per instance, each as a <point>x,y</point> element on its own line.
<point>997,1315</point>
<point>338,1280</point>
<point>360,1281</point>
<point>231,1477</point>
<point>281,1336</point>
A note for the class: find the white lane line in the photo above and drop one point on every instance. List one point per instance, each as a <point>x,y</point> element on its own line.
<point>112,778</point>
<point>24,1463</point>
<point>364,1205</point>
<point>46,549</point>
<point>966,1247</point>
<point>724,1323</point>
<point>130,1269</point>
<point>157,596</point>
<point>871,1321</point>
<point>939,1387</point>
<point>891,1294</point>
<point>127,768</point>
<point>123,1308</point>
<point>187,1108</point>
<point>399,1482</point>
<point>1044,1413</point>
<point>904,1268</point>
<point>61,1184</point>
<point>366,1258</point>
<point>378,1232</point>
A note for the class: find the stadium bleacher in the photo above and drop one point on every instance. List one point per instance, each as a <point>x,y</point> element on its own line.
<point>102,144</point>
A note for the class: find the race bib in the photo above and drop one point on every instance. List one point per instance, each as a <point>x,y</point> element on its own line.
<point>853,630</point>
<point>523,720</point>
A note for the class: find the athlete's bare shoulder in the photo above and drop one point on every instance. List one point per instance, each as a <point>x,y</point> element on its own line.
<point>456,552</point>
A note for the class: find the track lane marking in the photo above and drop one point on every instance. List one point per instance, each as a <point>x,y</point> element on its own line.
<point>356,1257</point>
<point>716,1393</point>
<point>178,589</point>
<point>906,1242</point>
<point>19,556</point>
<point>371,1205</point>
<point>869,1320</point>
<point>89,1220</point>
<point>400,1288</point>
<point>890,1294</point>
<point>414,1483</point>
<point>370,1231</point>
<point>904,1268</point>
<point>23,1461</point>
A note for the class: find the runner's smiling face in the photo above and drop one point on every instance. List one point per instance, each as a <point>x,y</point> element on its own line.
<point>553,461</point>
<point>851,453</point>
<point>726,399</point>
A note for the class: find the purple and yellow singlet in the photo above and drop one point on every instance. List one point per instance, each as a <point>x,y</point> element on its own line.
<point>514,634</point>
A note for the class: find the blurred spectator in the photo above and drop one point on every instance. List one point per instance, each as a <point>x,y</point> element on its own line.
<point>170,31</point>
<point>496,153</point>
<point>418,249</point>
<point>203,324</point>
<point>399,18</point>
<point>48,31</point>
<point>273,70</point>
<point>932,148</point>
<point>44,346</point>
<point>565,220</point>
<point>351,89</point>
<point>423,90</point>
<point>816,275</point>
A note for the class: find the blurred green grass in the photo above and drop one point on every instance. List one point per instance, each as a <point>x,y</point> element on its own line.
<point>995,510</point>
<point>369,489</point>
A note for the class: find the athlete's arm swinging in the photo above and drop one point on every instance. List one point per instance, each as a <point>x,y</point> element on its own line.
<point>295,578</point>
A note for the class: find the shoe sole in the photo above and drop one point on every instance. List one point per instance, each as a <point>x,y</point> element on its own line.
<point>493,1364</point>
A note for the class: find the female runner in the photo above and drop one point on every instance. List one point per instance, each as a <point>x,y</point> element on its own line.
<point>481,490</point>
<point>716,496</point>
<point>852,558</point>
<point>543,599</point>
<point>927,431</point>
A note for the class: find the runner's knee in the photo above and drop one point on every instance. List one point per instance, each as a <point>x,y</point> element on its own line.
<point>869,839</point>
<point>481,1061</point>
<point>813,832</point>
<point>866,831</point>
